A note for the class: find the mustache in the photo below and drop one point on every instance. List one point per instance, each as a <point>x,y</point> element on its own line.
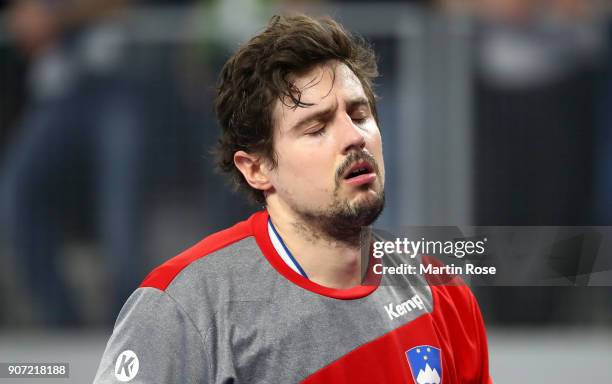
<point>354,157</point>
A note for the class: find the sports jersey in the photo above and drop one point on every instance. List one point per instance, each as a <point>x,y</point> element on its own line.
<point>231,310</point>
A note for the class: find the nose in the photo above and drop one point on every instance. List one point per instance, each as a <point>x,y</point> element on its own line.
<point>352,136</point>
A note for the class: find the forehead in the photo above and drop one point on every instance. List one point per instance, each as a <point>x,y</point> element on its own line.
<point>322,86</point>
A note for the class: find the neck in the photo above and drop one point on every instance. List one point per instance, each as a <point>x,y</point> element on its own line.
<point>326,261</point>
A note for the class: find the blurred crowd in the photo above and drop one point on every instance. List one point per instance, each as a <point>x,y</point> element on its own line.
<point>100,130</point>
<point>540,135</point>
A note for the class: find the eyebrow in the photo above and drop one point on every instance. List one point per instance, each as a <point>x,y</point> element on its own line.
<point>324,114</point>
<point>358,102</point>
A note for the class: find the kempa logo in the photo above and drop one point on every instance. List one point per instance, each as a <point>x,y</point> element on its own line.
<point>126,366</point>
<point>401,309</point>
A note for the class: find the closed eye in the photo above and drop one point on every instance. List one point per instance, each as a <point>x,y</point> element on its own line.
<point>360,114</point>
<point>318,132</point>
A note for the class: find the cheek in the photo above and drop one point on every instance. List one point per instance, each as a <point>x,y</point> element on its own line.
<point>374,141</point>
<point>304,171</point>
<point>377,151</point>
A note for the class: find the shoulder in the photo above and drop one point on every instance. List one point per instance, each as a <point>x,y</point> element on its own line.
<point>162,276</point>
<point>449,290</point>
<point>460,325</point>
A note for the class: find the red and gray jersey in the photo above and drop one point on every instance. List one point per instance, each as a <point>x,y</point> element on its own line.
<point>230,310</point>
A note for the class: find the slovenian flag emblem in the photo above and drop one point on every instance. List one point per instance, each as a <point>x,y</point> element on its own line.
<point>425,364</point>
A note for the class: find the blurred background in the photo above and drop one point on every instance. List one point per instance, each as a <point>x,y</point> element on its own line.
<point>493,112</point>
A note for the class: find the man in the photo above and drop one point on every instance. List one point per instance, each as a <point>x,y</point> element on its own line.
<point>279,298</point>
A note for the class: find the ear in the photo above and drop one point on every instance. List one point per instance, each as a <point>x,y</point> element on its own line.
<point>254,170</point>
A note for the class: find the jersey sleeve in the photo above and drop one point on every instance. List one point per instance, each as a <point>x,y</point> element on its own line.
<point>485,377</point>
<point>458,313</point>
<point>154,341</point>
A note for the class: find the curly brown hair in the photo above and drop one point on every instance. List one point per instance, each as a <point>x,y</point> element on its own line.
<point>259,74</point>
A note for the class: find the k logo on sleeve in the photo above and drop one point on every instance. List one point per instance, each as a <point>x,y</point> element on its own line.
<point>126,366</point>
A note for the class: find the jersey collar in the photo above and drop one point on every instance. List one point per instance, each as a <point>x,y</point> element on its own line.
<point>259,225</point>
<point>282,250</point>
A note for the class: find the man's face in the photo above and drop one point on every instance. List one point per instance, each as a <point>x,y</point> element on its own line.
<point>330,162</point>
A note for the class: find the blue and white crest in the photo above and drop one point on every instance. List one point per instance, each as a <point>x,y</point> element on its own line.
<point>425,364</point>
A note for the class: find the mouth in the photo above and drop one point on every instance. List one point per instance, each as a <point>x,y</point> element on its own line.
<point>360,173</point>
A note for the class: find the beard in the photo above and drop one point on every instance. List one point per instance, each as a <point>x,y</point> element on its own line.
<point>342,220</point>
